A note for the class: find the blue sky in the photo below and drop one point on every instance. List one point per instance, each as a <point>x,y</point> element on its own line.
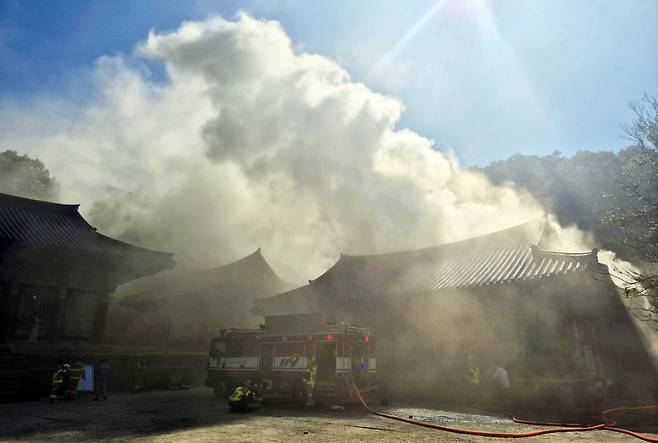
<point>487,79</point>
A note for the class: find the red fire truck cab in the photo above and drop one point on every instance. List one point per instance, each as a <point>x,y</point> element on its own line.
<point>279,354</point>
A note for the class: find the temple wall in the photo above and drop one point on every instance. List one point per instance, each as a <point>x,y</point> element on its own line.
<point>568,336</point>
<point>65,292</point>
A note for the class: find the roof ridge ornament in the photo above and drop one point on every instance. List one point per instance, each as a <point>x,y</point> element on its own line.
<point>595,254</point>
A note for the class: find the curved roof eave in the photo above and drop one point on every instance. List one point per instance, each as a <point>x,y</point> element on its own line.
<point>521,229</point>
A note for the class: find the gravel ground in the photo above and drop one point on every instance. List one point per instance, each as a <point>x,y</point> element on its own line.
<point>195,415</point>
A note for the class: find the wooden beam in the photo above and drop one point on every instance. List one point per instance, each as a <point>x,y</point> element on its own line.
<point>9,310</point>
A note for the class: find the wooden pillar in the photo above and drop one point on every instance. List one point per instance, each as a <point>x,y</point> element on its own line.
<point>8,310</point>
<point>6,300</point>
<point>58,315</point>
<point>4,311</point>
<point>100,318</point>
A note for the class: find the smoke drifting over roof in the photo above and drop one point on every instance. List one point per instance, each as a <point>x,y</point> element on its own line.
<point>250,143</point>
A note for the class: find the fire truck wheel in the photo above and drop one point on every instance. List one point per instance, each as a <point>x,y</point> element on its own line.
<point>299,393</point>
<point>221,390</point>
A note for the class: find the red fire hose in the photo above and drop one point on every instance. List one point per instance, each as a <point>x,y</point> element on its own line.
<point>611,425</point>
<point>565,427</point>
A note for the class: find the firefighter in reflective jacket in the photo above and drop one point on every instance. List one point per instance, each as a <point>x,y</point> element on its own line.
<point>76,372</point>
<point>472,376</point>
<point>311,380</point>
<point>57,389</point>
<point>473,372</point>
<point>239,400</point>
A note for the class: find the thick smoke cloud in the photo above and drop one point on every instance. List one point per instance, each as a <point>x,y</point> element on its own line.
<point>249,143</point>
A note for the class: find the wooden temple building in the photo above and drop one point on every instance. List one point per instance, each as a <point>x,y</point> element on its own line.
<point>555,319</point>
<point>187,308</point>
<point>57,272</point>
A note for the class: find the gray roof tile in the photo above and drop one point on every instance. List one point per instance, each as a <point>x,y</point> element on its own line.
<point>35,223</point>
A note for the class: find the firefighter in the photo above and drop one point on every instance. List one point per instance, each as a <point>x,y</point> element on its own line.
<point>76,373</point>
<point>57,389</point>
<point>472,372</point>
<point>138,375</point>
<point>266,385</point>
<point>239,400</point>
<point>311,380</point>
<point>472,376</point>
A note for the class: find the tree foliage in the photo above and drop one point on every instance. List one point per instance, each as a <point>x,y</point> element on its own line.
<point>633,211</point>
<point>26,177</point>
<point>574,188</point>
<point>634,208</point>
<point>612,195</point>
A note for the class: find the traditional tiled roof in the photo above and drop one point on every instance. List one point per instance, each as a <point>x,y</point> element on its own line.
<point>35,223</point>
<point>502,265</point>
<point>247,278</point>
<point>506,256</point>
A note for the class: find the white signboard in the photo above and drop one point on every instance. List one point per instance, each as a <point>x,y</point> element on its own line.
<point>87,384</point>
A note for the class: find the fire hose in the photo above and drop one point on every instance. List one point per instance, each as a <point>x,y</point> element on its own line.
<point>611,425</point>
<point>565,427</point>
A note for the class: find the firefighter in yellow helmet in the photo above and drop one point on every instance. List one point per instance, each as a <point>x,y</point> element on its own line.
<point>472,372</point>
<point>472,376</point>
<point>311,380</point>
<point>244,394</point>
<point>57,389</point>
<point>76,373</point>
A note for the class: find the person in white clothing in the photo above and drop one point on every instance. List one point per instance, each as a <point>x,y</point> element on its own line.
<point>501,384</point>
<point>500,378</point>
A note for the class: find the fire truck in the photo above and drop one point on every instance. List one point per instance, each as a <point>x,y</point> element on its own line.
<point>277,356</point>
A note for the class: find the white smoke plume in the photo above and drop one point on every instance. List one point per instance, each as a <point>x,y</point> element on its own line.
<point>250,143</point>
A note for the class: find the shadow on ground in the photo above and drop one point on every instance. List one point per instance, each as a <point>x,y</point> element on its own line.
<point>158,413</point>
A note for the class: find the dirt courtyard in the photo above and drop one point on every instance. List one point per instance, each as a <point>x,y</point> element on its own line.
<point>195,415</point>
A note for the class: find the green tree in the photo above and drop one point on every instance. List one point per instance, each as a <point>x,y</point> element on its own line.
<point>26,177</point>
<point>633,210</point>
<point>571,188</point>
<point>612,195</point>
